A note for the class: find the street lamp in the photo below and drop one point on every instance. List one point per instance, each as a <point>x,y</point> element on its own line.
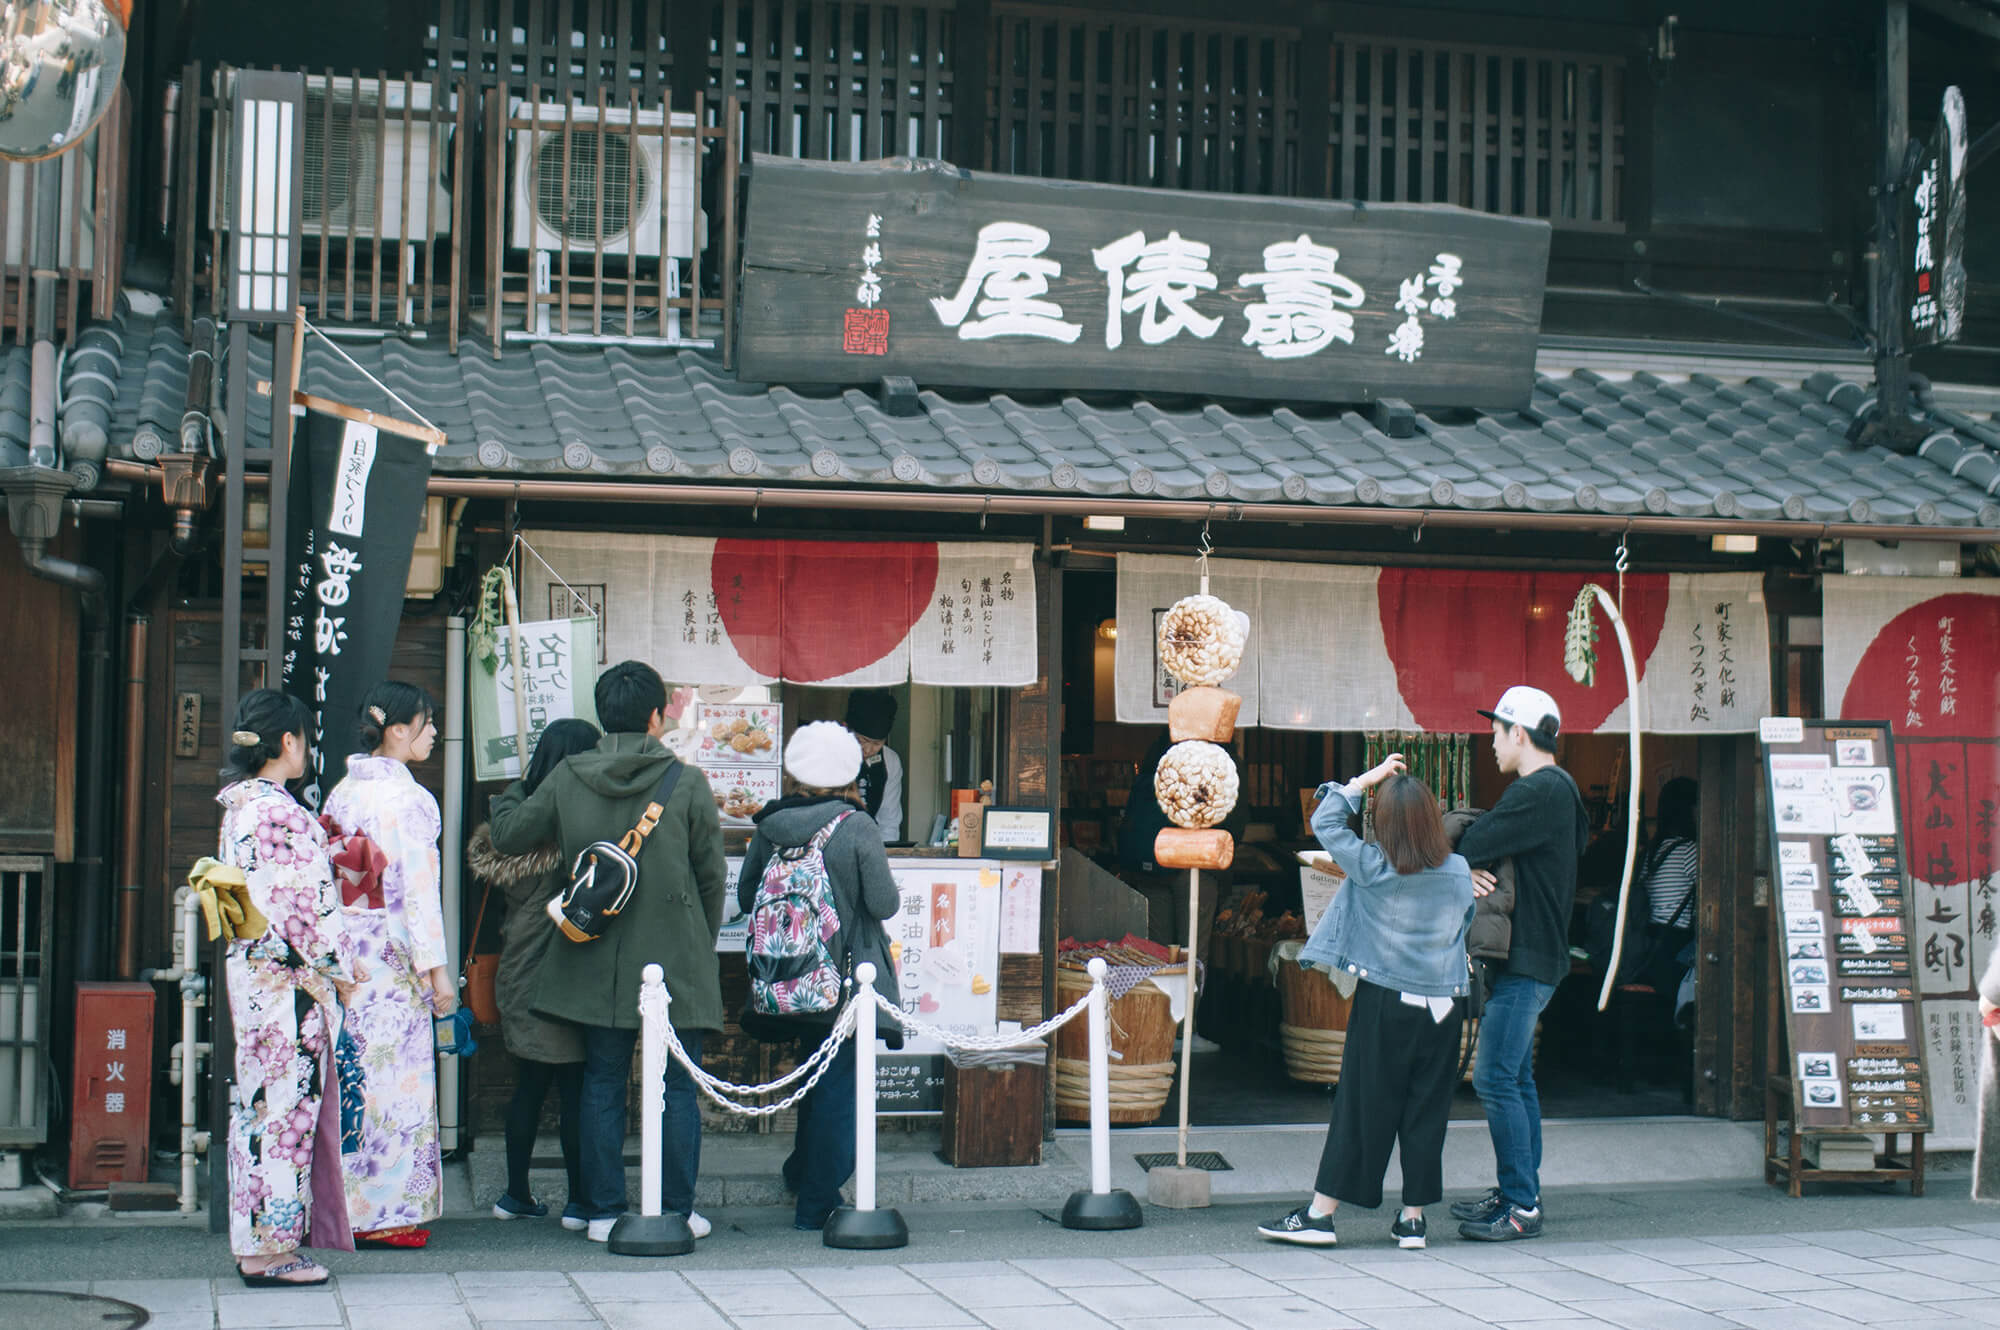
<point>266,186</point>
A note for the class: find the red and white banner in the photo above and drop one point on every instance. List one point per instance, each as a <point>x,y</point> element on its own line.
<point>839,613</point>
<point>1349,648</point>
<point>1920,653</point>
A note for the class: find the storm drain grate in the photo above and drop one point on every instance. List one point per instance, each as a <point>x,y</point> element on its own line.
<point>1202,1159</point>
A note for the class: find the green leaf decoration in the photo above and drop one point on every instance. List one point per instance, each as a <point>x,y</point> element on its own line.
<point>1580,639</point>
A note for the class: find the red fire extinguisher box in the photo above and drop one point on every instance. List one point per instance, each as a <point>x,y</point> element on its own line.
<point>112,1094</point>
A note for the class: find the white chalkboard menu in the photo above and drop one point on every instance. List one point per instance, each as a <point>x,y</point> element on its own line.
<point>1843,927</point>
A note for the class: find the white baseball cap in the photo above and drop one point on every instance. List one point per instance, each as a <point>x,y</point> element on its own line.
<point>1531,709</point>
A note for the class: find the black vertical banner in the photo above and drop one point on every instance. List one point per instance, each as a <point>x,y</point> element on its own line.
<point>356,501</point>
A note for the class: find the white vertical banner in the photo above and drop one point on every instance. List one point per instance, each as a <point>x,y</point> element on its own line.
<point>1148,586</point>
<point>980,624</point>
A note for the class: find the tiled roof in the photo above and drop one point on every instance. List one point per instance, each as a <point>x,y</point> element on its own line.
<point>1645,443</point>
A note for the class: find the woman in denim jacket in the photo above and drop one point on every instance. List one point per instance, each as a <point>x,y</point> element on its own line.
<point>1398,926</point>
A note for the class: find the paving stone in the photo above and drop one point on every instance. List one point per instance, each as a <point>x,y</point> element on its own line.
<point>738,1301</point>
<point>1418,1318</point>
<point>528,1304</point>
<point>1763,1277</point>
<point>1624,1268</point>
<point>395,1290</point>
<point>1863,1242</point>
<point>1206,1284</point>
<point>860,1281</point>
<point>1189,1261</point>
<point>1262,1313</point>
<point>634,1286</point>
<point>1959,1269</point>
<point>1285,1262</point>
<point>1682,1251</point>
<point>1503,1304</point>
<point>1351,1295</point>
<point>159,1296</point>
<point>1422,1273</point>
<point>1012,1289</point>
<point>1641,1313</point>
<point>1084,1271</point>
<point>681,1315</point>
<point>433,1317</point>
<point>253,1309</point>
<point>1071,1317</point>
<point>895,1311</point>
<point>1791,1318</point>
<point>933,1270</point>
<point>1213,1322</point>
<point>1972,1248</point>
<point>823,1321</point>
<point>1565,1285</point>
<point>484,1282</point>
<point>1710,1295</point>
<point>1119,1302</point>
<point>1918,1288</point>
<point>1822,1261</point>
<point>1855,1304</point>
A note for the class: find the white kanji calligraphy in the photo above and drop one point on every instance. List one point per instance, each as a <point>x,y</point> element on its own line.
<point>114,1040</point>
<point>869,292</point>
<point>340,565</point>
<point>1305,303</point>
<point>874,224</point>
<point>1410,296</point>
<point>328,633</point>
<point>114,1071</point>
<point>1407,342</point>
<point>115,1102</point>
<point>1010,269</point>
<point>1167,275</point>
<point>1447,274</point>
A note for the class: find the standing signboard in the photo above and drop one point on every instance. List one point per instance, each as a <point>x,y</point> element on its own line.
<point>855,270</point>
<point>1843,932</point>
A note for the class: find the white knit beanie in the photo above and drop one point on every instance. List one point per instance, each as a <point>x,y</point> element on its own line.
<point>824,755</point>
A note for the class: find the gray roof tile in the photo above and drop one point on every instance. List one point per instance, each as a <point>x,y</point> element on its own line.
<point>1700,446</point>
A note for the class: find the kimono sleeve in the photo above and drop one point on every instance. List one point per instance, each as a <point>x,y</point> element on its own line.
<point>408,835</point>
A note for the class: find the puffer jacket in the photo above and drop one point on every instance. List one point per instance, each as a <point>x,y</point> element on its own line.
<point>1492,914</point>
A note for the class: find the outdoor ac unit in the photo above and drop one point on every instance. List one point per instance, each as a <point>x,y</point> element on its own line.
<point>74,233</point>
<point>551,203</point>
<point>364,155</point>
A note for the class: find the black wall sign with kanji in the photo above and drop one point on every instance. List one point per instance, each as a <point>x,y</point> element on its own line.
<point>356,501</point>
<point>857,270</point>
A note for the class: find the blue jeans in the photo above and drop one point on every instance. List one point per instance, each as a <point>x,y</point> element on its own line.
<point>1505,1080</point>
<point>822,1158</point>
<point>607,1067</point>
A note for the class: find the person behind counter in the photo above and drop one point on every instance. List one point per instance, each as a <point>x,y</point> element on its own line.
<point>871,714</point>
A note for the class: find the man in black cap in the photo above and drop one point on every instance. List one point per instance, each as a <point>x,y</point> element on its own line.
<point>871,714</point>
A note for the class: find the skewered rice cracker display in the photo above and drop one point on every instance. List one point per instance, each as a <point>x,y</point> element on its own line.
<point>1196,784</point>
<point>1201,640</point>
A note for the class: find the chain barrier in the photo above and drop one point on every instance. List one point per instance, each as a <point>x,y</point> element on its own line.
<point>991,1043</point>
<point>653,1006</point>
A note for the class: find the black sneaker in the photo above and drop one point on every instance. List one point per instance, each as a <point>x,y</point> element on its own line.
<point>1408,1233</point>
<point>1303,1227</point>
<point>1482,1210</point>
<point>1511,1224</point>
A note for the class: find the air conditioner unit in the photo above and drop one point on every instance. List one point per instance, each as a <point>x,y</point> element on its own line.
<point>357,152</point>
<point>601,185</point>
<point>76,239</point>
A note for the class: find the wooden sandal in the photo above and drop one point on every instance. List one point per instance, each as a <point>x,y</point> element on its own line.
<point>273,1276</point>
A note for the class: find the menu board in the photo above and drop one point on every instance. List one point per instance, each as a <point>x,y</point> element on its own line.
<point>1844,927</point>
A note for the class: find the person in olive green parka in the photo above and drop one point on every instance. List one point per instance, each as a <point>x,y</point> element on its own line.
<point>672,920</point>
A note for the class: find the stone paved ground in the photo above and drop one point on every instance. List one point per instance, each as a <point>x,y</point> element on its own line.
<point>1908,1277</point>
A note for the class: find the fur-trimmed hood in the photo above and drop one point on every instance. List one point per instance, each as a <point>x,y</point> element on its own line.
<point>508,870</point>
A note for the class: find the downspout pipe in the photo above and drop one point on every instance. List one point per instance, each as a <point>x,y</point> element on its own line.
<point>42,363</point>
<point>131,793</point>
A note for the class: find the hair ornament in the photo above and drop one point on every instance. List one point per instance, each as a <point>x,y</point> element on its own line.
<point>246,738</point>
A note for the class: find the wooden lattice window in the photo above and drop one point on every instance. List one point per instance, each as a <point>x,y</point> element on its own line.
<point>1131,101</point>
<point>840,82</point>
<point>1524,133</point>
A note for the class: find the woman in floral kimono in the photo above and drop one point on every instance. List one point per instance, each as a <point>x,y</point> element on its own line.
<point>284,1124</point>
<point>389,1150</point>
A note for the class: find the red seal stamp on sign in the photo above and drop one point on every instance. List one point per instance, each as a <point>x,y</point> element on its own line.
<point>866,332</point>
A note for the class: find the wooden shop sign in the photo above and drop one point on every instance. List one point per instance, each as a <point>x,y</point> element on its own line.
<point>853,271</point>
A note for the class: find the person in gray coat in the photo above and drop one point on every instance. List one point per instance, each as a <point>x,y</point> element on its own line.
<point>822,807</point>
<point>547,1052</point>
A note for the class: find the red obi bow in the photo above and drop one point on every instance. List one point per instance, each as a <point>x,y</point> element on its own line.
<point>358,863</point>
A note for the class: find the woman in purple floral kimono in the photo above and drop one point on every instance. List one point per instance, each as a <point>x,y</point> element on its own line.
<point>389,1149</point>
<point>286,1190</point>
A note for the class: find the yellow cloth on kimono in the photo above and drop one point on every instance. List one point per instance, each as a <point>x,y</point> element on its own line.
<point>225,902</point>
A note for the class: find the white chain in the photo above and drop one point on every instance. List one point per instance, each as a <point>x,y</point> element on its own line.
<point>980,1043</point>
<point>813,1068</point>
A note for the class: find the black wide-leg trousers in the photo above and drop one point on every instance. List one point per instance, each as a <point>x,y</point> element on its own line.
<point>1397,1075</point>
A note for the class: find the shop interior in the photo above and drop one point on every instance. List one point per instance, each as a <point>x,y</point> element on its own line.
<point>1635,1059</point>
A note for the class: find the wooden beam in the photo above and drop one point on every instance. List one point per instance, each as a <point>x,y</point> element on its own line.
<point>434,439</point>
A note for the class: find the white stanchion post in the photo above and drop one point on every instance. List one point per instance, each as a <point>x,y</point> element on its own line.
<point>650,1233</point>
<point>1100,1207</point>
<point>861,1227</point>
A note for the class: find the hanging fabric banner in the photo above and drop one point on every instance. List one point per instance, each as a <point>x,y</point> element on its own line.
<point>845,614</point>
<point>1336,647</point>
<point>356,501</point>
<point>559,672</point>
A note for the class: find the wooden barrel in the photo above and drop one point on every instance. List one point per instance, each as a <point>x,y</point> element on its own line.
<point>1141,1061</point>
<point>1313,1032</point>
